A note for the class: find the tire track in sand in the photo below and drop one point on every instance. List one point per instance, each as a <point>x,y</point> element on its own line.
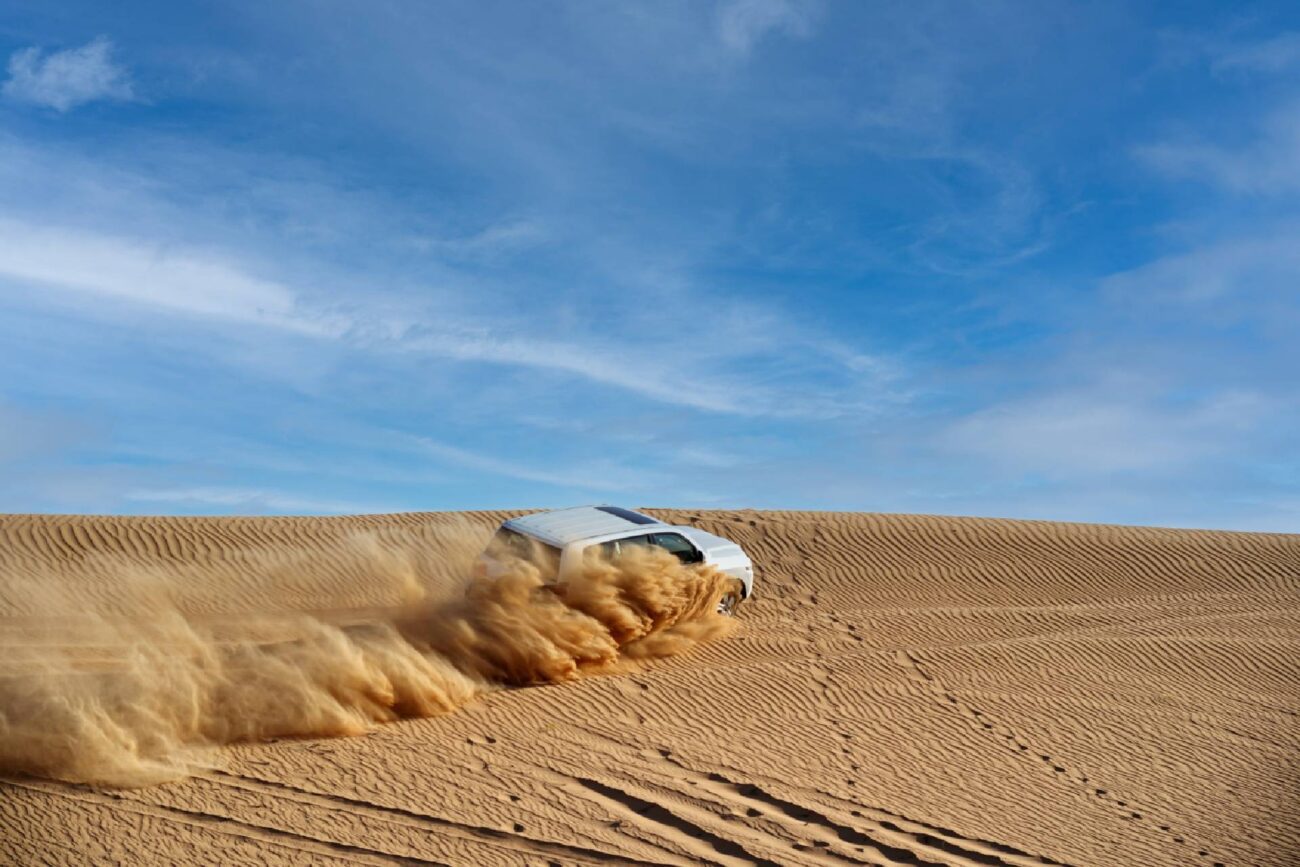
<point>875,835</point>
<point>979,720</point>
<point>222,824</point>
<point>517,844</point>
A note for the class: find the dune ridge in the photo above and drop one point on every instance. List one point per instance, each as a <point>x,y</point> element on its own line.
<point>903,690</point>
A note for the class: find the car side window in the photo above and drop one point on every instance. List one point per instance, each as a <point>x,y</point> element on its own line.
<point>676,544</point>
<point>611,549</point>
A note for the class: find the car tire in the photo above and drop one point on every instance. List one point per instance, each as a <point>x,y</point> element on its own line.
<point>731,599</point>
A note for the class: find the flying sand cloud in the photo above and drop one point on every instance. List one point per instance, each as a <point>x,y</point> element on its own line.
<point>143,695</point>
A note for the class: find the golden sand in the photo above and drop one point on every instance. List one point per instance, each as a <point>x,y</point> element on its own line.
<point>902,690</point>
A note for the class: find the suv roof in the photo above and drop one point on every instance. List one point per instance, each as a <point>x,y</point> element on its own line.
<point>563,526</point>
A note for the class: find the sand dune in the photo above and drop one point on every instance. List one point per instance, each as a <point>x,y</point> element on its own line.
<point>903,690</point>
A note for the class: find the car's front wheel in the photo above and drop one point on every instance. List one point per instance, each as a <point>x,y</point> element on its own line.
<point>730,600</point>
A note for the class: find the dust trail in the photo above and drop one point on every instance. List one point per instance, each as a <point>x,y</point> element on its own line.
<point>143,698</point>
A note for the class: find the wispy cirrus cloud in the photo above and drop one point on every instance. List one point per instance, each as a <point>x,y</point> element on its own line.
<point>1233,276</point>
<point>597,476</point>
<point>1260,156</point>
<point>216,291</point>
<point>1272,54</point>
<point>1266,165</point>
<point>151,275</point>
<point>1099,432</point>
<point>742,24</point>
<point>63,80</point>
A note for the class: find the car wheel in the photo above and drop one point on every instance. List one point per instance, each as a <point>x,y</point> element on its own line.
<point>730,600</point>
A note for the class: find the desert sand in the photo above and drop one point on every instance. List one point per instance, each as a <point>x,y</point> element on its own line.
<point>901,690</point>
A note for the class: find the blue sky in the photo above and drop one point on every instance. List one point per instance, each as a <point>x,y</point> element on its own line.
<point>1008,259</point>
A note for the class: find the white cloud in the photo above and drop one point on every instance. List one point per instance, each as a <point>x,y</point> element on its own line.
<point>1270,164</point>
<point>491,242</point>
<point>1259,268</point>
<point>66,79</point>
<point>627,368</point>
<point>600,477</point>
<point>202,286</point>
<point>1086,434</point>
<point>743,23</point>
<point>177,281</point>
<point>1271,55</point>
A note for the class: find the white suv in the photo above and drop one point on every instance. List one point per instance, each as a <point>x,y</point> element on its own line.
<point>561,537</point>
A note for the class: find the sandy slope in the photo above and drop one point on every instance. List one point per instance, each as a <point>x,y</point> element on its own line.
<point>904,690</point>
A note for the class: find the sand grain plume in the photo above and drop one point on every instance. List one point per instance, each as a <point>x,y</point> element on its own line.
<point>161,688</point>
